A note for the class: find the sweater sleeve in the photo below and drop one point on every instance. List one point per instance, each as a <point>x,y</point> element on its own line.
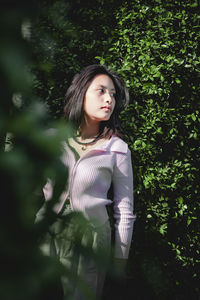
<point>123,204</point>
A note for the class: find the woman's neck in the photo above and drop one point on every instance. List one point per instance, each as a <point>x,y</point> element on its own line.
<point>89,130</point>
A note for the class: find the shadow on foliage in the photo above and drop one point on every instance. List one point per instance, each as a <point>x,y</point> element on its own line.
<point>28,157</point>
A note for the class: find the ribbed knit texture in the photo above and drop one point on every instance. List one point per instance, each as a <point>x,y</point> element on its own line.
<point>89,181</point>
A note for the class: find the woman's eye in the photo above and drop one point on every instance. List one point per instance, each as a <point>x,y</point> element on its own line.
<point>101,91</point>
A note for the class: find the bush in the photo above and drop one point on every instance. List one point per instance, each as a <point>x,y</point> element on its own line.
<point>154,46</point>
<point>155,49</point>
<point>28,156</point>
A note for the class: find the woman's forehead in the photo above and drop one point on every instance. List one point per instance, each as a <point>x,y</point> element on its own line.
<point>103,80</point>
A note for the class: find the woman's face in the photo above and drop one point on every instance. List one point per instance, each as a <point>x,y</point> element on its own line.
<point>99,100</point>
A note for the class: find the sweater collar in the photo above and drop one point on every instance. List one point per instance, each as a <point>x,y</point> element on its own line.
<point>114,144</point>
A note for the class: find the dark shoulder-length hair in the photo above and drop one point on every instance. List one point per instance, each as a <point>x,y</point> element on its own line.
<point>74,98</point>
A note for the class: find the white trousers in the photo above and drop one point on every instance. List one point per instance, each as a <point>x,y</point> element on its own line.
<point>84,268</point>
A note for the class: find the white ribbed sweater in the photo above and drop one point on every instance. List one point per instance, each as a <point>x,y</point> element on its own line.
<point>90,179</point>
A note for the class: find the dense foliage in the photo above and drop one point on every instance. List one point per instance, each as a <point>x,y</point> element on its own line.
<point>28,157</point>
<point>66,37</point>
<point>154,46</point>
<point>156,50</point>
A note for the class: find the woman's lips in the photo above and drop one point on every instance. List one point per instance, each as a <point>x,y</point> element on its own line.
<point>106,108</point>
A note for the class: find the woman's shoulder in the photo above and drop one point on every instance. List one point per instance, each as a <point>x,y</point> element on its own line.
<point>118,145</point>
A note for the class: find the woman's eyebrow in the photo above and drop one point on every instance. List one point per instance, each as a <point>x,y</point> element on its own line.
<point>105,87</point>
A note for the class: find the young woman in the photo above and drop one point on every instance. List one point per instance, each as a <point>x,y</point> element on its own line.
<point>97,158</point>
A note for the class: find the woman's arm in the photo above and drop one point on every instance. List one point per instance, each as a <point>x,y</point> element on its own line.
<point>123,204</point>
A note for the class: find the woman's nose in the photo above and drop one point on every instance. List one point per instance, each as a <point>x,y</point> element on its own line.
<point>108,98</point>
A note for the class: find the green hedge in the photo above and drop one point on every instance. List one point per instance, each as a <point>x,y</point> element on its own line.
<point>154,46</point>
<point>30,158</point>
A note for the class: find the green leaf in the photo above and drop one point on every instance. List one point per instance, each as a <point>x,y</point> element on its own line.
<point>193,117</point>
<point>163,229</point>
<point>180,200</point>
